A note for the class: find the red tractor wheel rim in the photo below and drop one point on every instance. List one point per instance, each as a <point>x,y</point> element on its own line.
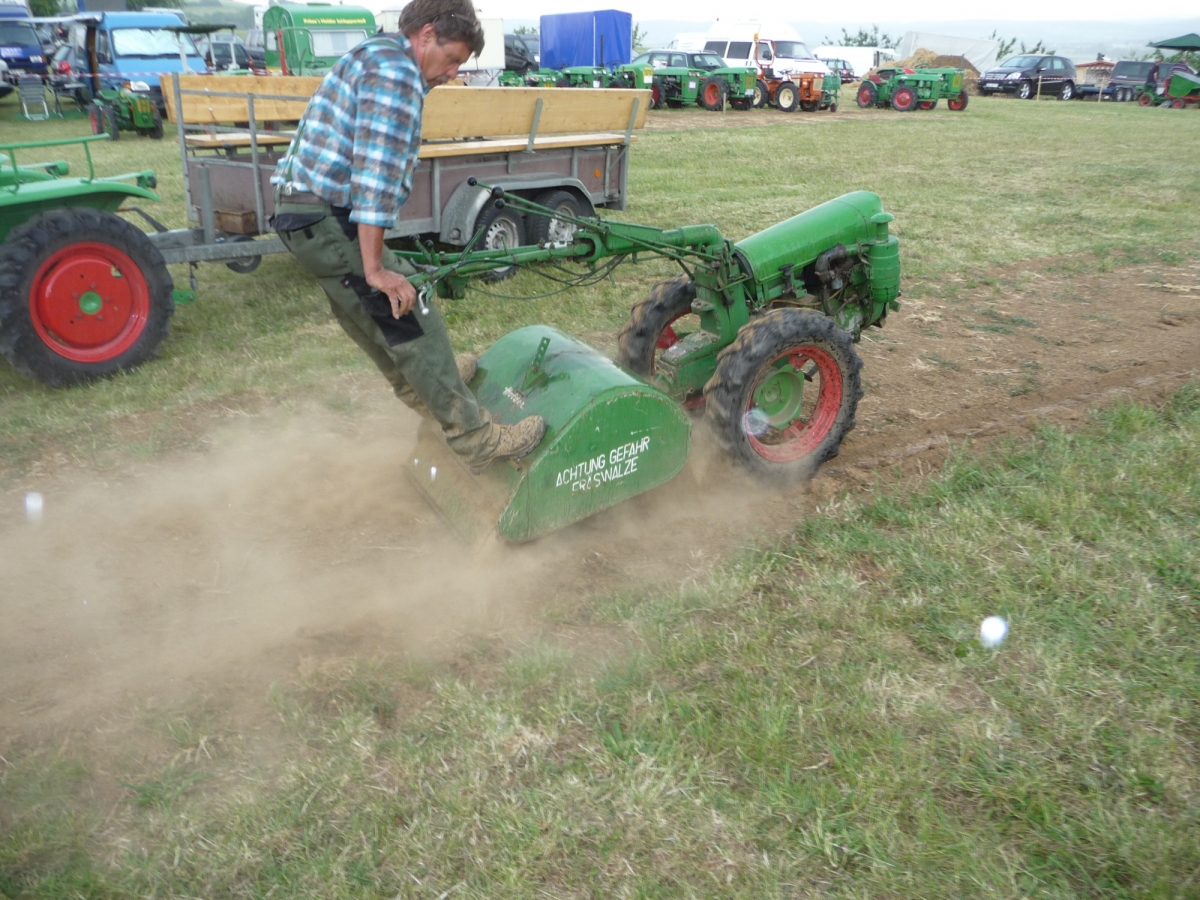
<point>89,302</point>
<point>904,97</point>
<point>779,424</point>
<point>656,95</point>
<point>864,96</point>
<point>1144,100</point>
<point>955,103</point>
<point>712,94</point>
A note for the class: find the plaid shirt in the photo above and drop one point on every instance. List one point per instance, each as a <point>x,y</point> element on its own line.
<point>361,131</point>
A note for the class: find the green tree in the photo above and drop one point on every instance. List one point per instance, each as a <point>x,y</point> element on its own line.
<point>639,39</point>
<point>525,29</point>
<point>45,7</point>
<point>1009,45</point>
<point>864,38</point>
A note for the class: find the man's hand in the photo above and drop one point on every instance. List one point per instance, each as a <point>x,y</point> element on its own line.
<point>401,294</point>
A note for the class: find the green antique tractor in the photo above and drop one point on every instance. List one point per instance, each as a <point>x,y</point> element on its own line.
<point>127,108</point>
<point>906,89</point>
<point>676,78</point>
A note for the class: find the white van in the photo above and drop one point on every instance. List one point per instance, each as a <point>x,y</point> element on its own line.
<point>779,48</point>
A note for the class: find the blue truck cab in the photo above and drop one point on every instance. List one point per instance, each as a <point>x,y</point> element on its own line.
<point>20,47</point>
<point>135,49</point>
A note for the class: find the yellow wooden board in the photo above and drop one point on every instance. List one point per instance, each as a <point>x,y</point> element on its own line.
<point>428,150</point>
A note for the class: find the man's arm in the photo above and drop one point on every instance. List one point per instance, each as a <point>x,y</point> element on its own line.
<point>396,286</point>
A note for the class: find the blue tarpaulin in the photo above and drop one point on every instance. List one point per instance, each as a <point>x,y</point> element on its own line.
<point>600,38</point>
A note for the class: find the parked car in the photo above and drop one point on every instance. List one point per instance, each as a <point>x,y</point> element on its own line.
<point>21,49</point>
<point>842,68</point>
<point>68,74</point>
<point>1027,74</point>
<point>1133,76</point>
<point>256,48</point>
<point>518,56</point>
<point>224,51</point>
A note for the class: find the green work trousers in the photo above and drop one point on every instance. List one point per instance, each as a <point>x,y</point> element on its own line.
<point>422,371</point>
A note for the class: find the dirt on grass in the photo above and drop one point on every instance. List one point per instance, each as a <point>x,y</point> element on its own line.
<point>201,578</point>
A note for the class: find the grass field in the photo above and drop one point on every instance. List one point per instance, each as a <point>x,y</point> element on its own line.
<point>1089,184</point>
<point>815,719</point>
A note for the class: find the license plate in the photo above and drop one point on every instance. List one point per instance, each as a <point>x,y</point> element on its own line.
<point>991,84</point>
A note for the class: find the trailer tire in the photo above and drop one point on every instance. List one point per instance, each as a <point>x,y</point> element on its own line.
<point>957,104</point>
<point>502,226</point>
<point>83,294</point>
<point>712,93</point>
<point>540,229</point>
<point>867,96</point>
<point>762,93</point>
<point>246,264</point>
<point>761,403</point>
<point>904,98</point>
<point>648,328</point>
<point>787,98</point>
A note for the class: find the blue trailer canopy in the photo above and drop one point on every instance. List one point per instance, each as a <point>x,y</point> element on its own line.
<point>600,38</point>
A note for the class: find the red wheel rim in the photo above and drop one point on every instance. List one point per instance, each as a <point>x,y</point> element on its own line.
<point>956,103</point>
<point>89,302</point>
<point>927,104</point>
<point>864,96</point>
<point>779,423</point>
<point>656,95</point>
<point>712,94</point>
<point>1144,100</point>
<point>904,97</point>
<point>94,119</point>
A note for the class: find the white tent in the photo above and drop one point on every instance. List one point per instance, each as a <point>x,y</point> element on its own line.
<point>980,53</point>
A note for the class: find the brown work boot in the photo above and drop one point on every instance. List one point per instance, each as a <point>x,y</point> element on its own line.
<point>468,365</point>
<point>515,441</point>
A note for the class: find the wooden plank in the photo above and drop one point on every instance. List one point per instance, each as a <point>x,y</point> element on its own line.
<point>201,110</point>
<point>428,151</point>
<point>464,112</point>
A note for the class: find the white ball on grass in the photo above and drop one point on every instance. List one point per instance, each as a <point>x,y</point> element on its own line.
<point>992,631</point>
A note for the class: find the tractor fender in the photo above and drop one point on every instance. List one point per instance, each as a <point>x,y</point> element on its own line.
<point>40,196</point>
<point>465,204</point>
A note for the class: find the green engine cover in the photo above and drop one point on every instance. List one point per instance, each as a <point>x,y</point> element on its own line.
<point>609,436</point>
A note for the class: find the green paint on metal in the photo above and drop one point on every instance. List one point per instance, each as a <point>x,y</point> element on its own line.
<point>179,295</point>
<point>90,302</point>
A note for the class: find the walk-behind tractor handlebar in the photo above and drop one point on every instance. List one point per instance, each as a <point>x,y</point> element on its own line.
<point>758,333</point>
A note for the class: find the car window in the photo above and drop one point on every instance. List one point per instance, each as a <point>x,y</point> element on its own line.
<point>1058,65</point>
<point>738,50</point>
<point>764,52</point>
<point>62,53</point>
<point>678,61</point>
<point>658,60</point>
<point>1021,62</point>
<point>643,60</point>
<point>717,47</point>
<point>793,50</point>
<point>150,42</point>
<point>707,61</point>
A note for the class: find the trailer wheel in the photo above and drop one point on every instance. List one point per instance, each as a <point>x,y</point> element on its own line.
<point>785,393</point>
<point>83,294</point>
<point>868,95</point>
<point>787,98</point>
<point>904,98</point>
<point>502,228</point>
<point>762,93</point>
<point>648,328</point>
<point>246,264</point>
<point>542,230</point>
<point>712,93</point>
<point>959,103</point>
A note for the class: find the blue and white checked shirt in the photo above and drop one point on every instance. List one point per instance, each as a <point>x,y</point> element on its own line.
<point>362,129</point>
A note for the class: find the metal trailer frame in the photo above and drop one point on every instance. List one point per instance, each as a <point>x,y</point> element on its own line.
<point>442,206</point>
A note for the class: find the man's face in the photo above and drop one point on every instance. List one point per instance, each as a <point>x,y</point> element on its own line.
<point>438,62</point>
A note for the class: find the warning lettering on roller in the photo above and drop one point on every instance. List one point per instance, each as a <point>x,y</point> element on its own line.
<point>614,465</point>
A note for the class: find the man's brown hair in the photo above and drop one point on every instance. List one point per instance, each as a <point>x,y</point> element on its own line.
<point>452,20</point>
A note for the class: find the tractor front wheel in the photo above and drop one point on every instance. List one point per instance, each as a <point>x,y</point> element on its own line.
<point>82,294</point>
<point>868,95</point>
<point>787,98</point>
<point>155,131</point>
<point>926,105</point>
<point>1145,100</point>
<point>785,393</point>
<point>959,103</point>
<point>762,93</point>
<point>904,98</point>
<point>649,326</point>
<point>112,123</point>
<point>712,93</point>
<point>656,94</point>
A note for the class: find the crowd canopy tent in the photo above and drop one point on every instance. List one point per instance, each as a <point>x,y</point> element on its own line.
<point>982,54</point>
<point>600,38</point>
<point>1188,43</point>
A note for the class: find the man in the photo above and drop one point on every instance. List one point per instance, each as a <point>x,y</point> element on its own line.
<point>348,171</point>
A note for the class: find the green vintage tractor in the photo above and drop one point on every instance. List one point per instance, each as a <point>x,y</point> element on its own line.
<point>677,78</point>
<point>83,293</point>
<point>906,89</point>
<point>127,108</point>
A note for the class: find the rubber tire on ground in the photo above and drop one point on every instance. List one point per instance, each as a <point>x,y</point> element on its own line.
<point>787,98</point>
<point>96,119</point>
<point>957,104</point>
<point>155,131</point>
<point>508,219</point>
<point>1067,92</point>
<point>810,105</point>
<point>833,107</point>
<point>1178,103</point>
<point>762,93</point>
<point>637,342</point>
<point>742,103</point>
<point>1025,91</point>
<point>712,93</point>
<point>926,105</point>
<point>111,123</point>
<point>246,264</point>
<point>739,367</point>
<point>656,93</point>
<point>1145,99</point>
<point>904,99</point>
<point>867,96</point>
<point>539,229</point>
<point>30,246</point>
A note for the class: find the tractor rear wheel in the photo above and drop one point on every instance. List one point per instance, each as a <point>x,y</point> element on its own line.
<point>542,230</point>
<point>762,93</point>
<point>926,105</point>
<point>712,93</point>
<point>1145,100</point>
<point>656,94</point>
<point>904,98</point>
<point>648,328</point>
<point>83,294</point>
<point>155,131</point>
<point>868,95</point>
<point>112,124</point>
<point>96,119</point>
<point>787,98</point>
<point>959,103</point>
<point>503,229</point>
<point>785,393</point>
